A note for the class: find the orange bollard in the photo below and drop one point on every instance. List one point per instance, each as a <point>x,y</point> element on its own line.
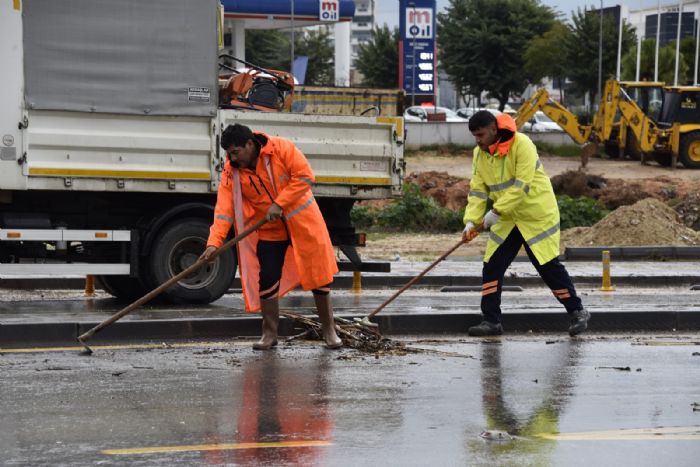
<point>356,282</point>
<point>607,283</point>
<point>89,285</point>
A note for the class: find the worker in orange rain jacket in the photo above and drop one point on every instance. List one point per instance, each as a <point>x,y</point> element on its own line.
<point>268,177</point>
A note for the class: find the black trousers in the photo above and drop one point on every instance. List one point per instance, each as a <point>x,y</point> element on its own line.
<point>553,273</point>
<point>271,257</point>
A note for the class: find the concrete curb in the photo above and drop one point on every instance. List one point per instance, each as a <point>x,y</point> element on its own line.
<point>28,334</point>
<point>378,281</point>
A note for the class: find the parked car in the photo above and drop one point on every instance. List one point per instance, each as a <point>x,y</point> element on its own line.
<point>418,113</point>
<point>467,112</point>
<point>540,123</point>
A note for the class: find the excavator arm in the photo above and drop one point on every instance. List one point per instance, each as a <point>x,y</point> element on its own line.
<point>557,112</point>
<point>643,127</point>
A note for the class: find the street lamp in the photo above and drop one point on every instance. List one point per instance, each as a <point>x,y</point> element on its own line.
<point>413,68</point>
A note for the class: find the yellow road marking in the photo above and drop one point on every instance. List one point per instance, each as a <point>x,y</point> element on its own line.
<point>690,433</point>
<point>16,4</point>
<point>144,174</point>
<point>216,447</point>
<point>122,347</point>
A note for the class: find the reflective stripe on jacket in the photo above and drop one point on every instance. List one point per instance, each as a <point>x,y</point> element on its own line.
<point>521,193</point>
<point>310,261</point>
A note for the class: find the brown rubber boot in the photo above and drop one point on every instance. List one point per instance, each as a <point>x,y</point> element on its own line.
<point>324,309</point>
<point>270,310</point>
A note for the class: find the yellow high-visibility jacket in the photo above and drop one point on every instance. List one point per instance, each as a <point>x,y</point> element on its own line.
<point>515,180</point>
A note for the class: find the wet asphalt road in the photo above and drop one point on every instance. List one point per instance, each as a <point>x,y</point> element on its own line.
<point>516,400</point>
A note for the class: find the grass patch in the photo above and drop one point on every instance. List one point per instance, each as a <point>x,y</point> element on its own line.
<point>562,150</point>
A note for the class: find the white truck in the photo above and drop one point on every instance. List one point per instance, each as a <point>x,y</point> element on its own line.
<point>109,157</point>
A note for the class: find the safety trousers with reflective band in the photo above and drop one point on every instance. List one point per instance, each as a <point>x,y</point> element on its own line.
<point>271,254</point>
<point>553,273</point>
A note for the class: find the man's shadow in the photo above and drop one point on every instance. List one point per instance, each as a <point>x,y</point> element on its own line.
<point>284,416</point>
<point>519,409</point>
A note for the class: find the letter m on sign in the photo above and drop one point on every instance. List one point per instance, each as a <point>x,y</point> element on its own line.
<point>328,10</point>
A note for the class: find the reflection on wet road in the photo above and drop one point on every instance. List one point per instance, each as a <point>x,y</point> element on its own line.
<point>519,401</point>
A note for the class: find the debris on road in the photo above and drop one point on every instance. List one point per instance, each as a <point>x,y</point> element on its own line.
<point>495,435</point>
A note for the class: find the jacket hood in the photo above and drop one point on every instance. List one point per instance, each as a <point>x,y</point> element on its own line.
<point>506,134</point>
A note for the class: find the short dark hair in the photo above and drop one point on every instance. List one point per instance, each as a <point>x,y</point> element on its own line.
<point>236,135</point>
<point>481,119</point>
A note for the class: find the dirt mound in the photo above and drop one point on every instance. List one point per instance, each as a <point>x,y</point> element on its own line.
<point>647,222</point>
<point>448,191</point>
<point>689,210</point>
<point>576,183</point>
<point>615,192</point>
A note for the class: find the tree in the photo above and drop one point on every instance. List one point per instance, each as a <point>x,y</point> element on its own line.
<point>667,56</point>
<point>687,49</point>
<point>483,42</point>
<point>581,48</point>
<point>378,59</point>
<point>267,48</point>
<point>317,45</point>
<point>543,57</point>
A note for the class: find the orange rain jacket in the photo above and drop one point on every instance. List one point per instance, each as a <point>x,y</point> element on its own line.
<point>283,174</point>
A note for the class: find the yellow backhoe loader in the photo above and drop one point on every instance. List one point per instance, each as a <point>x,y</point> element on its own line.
<point>675,134</point>
<point>608,128</point>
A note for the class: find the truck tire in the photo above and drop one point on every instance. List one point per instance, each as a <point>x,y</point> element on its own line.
<point>690,150</point>
<point>123,288</point>
<point>177,246</point>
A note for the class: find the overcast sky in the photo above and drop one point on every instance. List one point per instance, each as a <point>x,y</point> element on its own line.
<point>387,10</point>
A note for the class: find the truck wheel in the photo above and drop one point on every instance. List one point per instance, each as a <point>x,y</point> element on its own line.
<point>123,288</point>
<point>177,247</point>
<point>690,150</point>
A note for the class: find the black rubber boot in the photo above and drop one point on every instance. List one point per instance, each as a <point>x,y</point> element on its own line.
<point>579,321</point>
<point>486,328</point>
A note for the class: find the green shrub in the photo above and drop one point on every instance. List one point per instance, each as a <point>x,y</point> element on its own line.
<point>411,212</point>
<point>579,212</point>
<point>363,217</point>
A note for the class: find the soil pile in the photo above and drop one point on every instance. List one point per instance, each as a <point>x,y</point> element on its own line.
<point>689,210</point>
<point>575,183</point>
<point>614,192</point>
<point>647,222</point>
<point>448,191</point>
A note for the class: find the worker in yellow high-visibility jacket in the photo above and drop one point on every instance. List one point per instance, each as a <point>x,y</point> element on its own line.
<point>507,172</point>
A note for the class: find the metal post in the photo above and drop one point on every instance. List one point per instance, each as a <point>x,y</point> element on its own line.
<point>658,36</point>
<point>413,67</point>
<point>600,55</point>
<point>697,49</point>
<point>291,64</point>
<point>678,43</point>
<point>619,46</point>
<point>639,42</point>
